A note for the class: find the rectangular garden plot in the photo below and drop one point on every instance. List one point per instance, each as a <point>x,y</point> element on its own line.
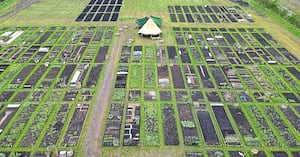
<point>205,77</point>
<point>228,133</point>
<point>37,126</point>
<point>35,77</point>
<point>216,13</point>
<point>99,8</point>
<point>121,77</point>
<point>177,77</point>
<point>150,76</point>
<point>132,125</point>
<point>188,126</point>
<point>22,75</point>
<point>8,114</point>
<point>151,137</point>
<point>18,126</point>
<point>169,125</point>
<point>56,126</point>
<point>246,78</point>
<point>291,116</point>
<point>244,126</point>
<point>135,76</point>
<point>113,125</point>
<point>94,76</point>
<point>190,76</point>
<point>267,134</point>
<point>207,127</point>
<point>163,76</point>
<point>285,132</point>
<point>65,75</point>
<point>75,127</point>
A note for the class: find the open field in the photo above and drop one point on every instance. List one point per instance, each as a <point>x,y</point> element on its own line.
<point>293,5</point>
<point>216,84</point>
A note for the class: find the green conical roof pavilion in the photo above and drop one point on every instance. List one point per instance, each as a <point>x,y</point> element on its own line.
<point>140,22</point>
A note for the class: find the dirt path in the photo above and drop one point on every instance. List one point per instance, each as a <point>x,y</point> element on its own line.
<point>91,144</point>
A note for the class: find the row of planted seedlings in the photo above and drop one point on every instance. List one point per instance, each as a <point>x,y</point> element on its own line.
<point>235,46</point>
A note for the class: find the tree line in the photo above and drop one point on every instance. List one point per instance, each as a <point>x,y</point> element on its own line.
<point>292,18</point>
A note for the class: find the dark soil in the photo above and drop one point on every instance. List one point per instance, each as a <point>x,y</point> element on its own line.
<point>169,125</point>
<point>165,96</point>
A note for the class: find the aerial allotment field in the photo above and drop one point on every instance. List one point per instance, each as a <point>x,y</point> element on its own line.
<point>49,77</point>
<point>220,82</point>
<point>236,92</point>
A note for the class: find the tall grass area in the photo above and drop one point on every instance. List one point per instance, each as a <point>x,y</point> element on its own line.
<point>6,6</point>
<point>282,22</point>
